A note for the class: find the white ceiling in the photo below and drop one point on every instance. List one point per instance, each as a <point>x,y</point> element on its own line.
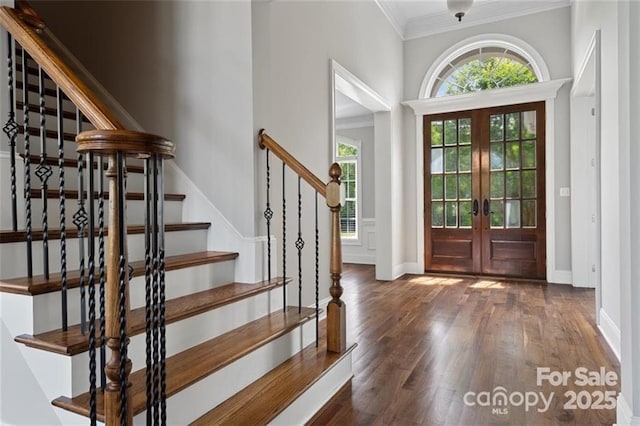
<point>413,19</point>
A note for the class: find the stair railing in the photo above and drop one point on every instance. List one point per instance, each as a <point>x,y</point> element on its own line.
<point>35,54</point>
<point>336,309</point>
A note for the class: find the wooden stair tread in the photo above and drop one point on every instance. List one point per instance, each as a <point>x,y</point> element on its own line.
<point>72,342</point>
<point>73,193</point>
<point>199,361</point>
<point>72,162</point>
<point>72,232</point>
<point>51,134</point>
<point>38,284</point>
<point>34,88</point>
<point>69,115</point>
<point>264,399</point>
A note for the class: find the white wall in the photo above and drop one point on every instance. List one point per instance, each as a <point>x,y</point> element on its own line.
<point>182,70</point>
<point>293,43</point>
<point>554,45</point>
<point>586,18</point>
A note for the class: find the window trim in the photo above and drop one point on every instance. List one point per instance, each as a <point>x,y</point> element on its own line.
<point>357,240</point>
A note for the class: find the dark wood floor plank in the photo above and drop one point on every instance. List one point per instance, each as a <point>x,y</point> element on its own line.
<point>194,364</point>
<point>72,342</point>
<point>425,341</point>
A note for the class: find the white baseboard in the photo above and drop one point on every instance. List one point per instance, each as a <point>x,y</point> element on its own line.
<point>407,268</point>
<point>624,413</point>
<point>610,332</point>
<point>560,277</point>
<point>363,259</point>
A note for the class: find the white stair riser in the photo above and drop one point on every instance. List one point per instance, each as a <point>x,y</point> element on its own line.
<point>199,398</point>
<point>179,282</point>
<point>135,212</point>
<point>184,334</point>
<point>13,255</point>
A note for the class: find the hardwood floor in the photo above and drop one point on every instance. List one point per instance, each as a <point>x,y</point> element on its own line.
<point>424,342</point>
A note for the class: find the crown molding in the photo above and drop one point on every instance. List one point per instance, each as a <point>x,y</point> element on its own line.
<point>481,13</point>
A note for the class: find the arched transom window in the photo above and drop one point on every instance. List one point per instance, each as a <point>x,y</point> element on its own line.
<point>481,69</point>
<point>482,62</point>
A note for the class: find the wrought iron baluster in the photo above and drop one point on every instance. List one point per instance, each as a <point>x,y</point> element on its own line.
<point>299,246</point>
<point>147,275</point>
<point>80,219</point>
<point>268,215</point>
<point>101,260</point>
<point>11,130</point>
<point>63,212</point>
<point>162,320</point>
<point>43,172</point>
<point>122,289</point>
<point>92,292</point>
<point>284,240</point>
<point>27,163</point>
<point>317,274</point>
<point>156,294</point>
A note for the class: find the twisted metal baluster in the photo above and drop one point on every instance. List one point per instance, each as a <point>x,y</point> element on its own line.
<point>299,246</point>
<point>63,212</point>
<point>156,295</point>
<point>11,130</point>
<point>80,219</point>
<point>27,164</point>
<point>122,290</point>
<point>147,286</point>
<point>43,172</point>
<point>162,320</point>
<point>101,260</point>
<point>268,214</point>
<point>92,293</point>
<point>317,274</point>
<point>284,240</point>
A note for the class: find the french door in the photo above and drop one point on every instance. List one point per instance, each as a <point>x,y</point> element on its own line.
<point>484,191</point>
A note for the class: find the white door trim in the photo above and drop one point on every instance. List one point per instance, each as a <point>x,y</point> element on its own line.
<point>535,92</point>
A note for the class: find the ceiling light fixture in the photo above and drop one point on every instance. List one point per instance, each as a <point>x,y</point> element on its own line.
<point>459,7</point>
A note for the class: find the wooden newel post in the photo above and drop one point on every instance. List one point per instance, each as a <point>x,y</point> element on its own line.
<point>336,310</point>
<point>117,270</point>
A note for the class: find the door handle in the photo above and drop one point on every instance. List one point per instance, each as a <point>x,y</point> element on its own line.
<point>485,207</point>
<point>476,207</point>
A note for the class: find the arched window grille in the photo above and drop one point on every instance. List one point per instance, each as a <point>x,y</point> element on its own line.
<point>483,68</point>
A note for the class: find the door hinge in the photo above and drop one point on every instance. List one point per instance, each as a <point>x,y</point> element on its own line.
<point>593,112</point>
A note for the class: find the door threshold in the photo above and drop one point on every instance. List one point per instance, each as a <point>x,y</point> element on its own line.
<point>445,274</point>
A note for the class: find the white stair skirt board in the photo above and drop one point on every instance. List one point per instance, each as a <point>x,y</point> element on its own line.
<point>135,211</point>
<point>13,255</point>
<point>318,394</point>
<point>199,398</point>
<point>45,309</point>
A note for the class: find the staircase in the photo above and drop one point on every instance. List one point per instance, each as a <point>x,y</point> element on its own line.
<point>234,353</point>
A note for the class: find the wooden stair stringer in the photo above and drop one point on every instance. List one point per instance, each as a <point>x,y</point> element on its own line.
<point>200,361</point>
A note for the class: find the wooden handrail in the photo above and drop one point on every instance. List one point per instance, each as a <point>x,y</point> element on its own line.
<point>266,142</point>
<point>133,143</point>
<point>24,27</point>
